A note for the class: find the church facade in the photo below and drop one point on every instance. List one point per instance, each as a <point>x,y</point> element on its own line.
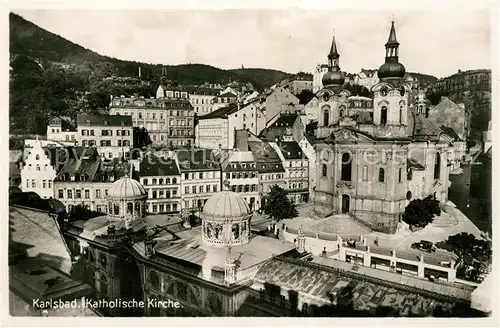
<point>373,159</point>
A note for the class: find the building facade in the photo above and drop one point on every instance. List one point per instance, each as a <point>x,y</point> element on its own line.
<point>169,120</point>
<point>38,172</point>
<point>279,101</point>
<point>112,135</point>
<point>62,131</point>
<point>161,179</point>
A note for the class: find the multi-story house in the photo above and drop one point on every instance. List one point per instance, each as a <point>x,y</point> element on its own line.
<point>300,83</point>
<point>239,168</point>
<point>39,170</point>
<point>224,100</point>
<point>452,115</point>
<point>201,98</point>
<point>267,161</point>
<point>477,80</point>
<point>110,134</point>
<point>319,71</point>
<point>296,167</point>
<point>169,121</point>
<point>84,181</point>
<point>200,177</point>
<point>161,179</point>
<point>367,78</point>
<point>217,129</point>
<point>61,130</point>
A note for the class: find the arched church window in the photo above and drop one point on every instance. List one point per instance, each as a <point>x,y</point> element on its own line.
<point>420,109</point>
<point>402,91</point>
<point>437,166</point>
<point>408,195</point>
<point>427,112</point>
<point>37,157</point>
<point>326,117</point>
<point>381,175</point>
<point>383,115</point>
<point>346,167</point>
<point>326,97</point>
<point>383,91</point>
<point>400,175</point>
<point>324,170</point>
<point>409,176</point>
<point>365,173</point>
<point>181,291</point>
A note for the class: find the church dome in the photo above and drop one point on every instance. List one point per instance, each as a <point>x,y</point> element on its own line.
<point>391,70</point>
<point>127,188</point>
<point>225,219</point>
<point>333,78</point>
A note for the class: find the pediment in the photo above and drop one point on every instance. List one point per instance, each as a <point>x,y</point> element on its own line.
<point>349,135</point>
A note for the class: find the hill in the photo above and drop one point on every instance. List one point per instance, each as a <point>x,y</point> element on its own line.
<point>52,76</point>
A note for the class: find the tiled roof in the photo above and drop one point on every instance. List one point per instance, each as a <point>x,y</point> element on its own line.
<point>114,168</point>
<point>227,95</point>
<point>103,120</point>
<point>237,158</point>
<point>263,152</point>
<point>221,112</point>
<point>290,150</point>
<point>38,234</point>
<point>285,120</point>
<point>152,165</point>
<point>422,128</point>
<point>197,159</point>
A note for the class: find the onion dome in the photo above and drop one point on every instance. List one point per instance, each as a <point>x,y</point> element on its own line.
<point>226,205</point>
<point>127,188</point>
<point>334,77</point>
<point>392,68</point>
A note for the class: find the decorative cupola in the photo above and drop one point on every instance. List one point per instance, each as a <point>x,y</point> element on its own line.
<point>391,70</point>
<point>334,77</point>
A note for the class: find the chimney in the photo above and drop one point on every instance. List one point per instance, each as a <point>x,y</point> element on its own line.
<point>139,71</point>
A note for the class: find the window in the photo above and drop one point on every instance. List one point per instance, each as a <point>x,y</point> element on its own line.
<point>408,195</point>
<point>400,175</point>
<point>37,157</point>
<point>38,167</point>
<point>78,193</point>
<point>326,117</point>
<point>409,175</point>
<point>401,115</point>
<point>87,194</point>
<point>61,193</point>
<point>365,173</point>
<point>437,166</point>
<point>154,194</point>
<point>346,167</point>
<point>154,181</point>
<point>194,189</point>
<point>145,182</point>
<point>186,190</point>
<point>383,115</point>
<point>33,183</point>
<point>44,184</point>
<point>324,170</point>
<point>98,193</point>
<point>70,194</point>
<point>381,175</point>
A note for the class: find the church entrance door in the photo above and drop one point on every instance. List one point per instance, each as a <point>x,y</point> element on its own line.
<point>345,203</point>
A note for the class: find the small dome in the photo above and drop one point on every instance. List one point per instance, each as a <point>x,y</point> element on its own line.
<point>226,205</point>
<point>127,188</point>
<point>391,70</point>
<point>333,78</point>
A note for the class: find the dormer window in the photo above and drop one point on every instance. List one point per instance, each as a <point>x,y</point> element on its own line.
<point>88,122</point>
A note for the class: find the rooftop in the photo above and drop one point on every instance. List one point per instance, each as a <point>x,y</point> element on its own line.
<point>221,112</point>
<point>152,165</point>
<point>197,159</point>
<point>290,150</point>
<point>103,120</point>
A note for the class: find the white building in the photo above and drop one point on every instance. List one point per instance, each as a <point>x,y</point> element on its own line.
<point>239,168</point>
<point>38,174</point>
<point>60,130</point>
<point>296,166</point>
<point>217,129</point>
<point>319,71</point>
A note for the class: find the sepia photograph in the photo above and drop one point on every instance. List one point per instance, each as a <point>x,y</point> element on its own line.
<point>291,162</point>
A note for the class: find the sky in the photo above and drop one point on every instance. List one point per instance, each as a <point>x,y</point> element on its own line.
<point>436,42</point>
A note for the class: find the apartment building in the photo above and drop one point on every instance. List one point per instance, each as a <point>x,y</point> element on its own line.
<point>200,177</point>
<point>112,135</point>
<point>296,166</point>
<point>61,130</point>
<point>169,121</point>
<point>240,169</point>
<point>83,182</point>
<point>161,179</point>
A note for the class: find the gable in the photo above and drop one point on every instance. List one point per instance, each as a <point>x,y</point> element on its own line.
<point>349,135</point>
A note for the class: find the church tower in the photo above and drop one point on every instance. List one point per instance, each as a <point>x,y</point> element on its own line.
<point>391,94</point>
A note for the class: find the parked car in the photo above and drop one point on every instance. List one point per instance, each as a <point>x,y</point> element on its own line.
<point>424,245</point>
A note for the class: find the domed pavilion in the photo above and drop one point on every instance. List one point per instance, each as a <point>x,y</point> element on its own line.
<point>126,200</point>
<point>225,219</point>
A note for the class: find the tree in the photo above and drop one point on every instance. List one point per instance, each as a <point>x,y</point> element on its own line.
<point>421,212</point>
<point>278,206</point>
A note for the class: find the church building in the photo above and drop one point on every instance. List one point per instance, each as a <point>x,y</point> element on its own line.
<point>373,160</point>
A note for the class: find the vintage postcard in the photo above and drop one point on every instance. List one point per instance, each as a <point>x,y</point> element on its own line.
<point>285,162</point>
